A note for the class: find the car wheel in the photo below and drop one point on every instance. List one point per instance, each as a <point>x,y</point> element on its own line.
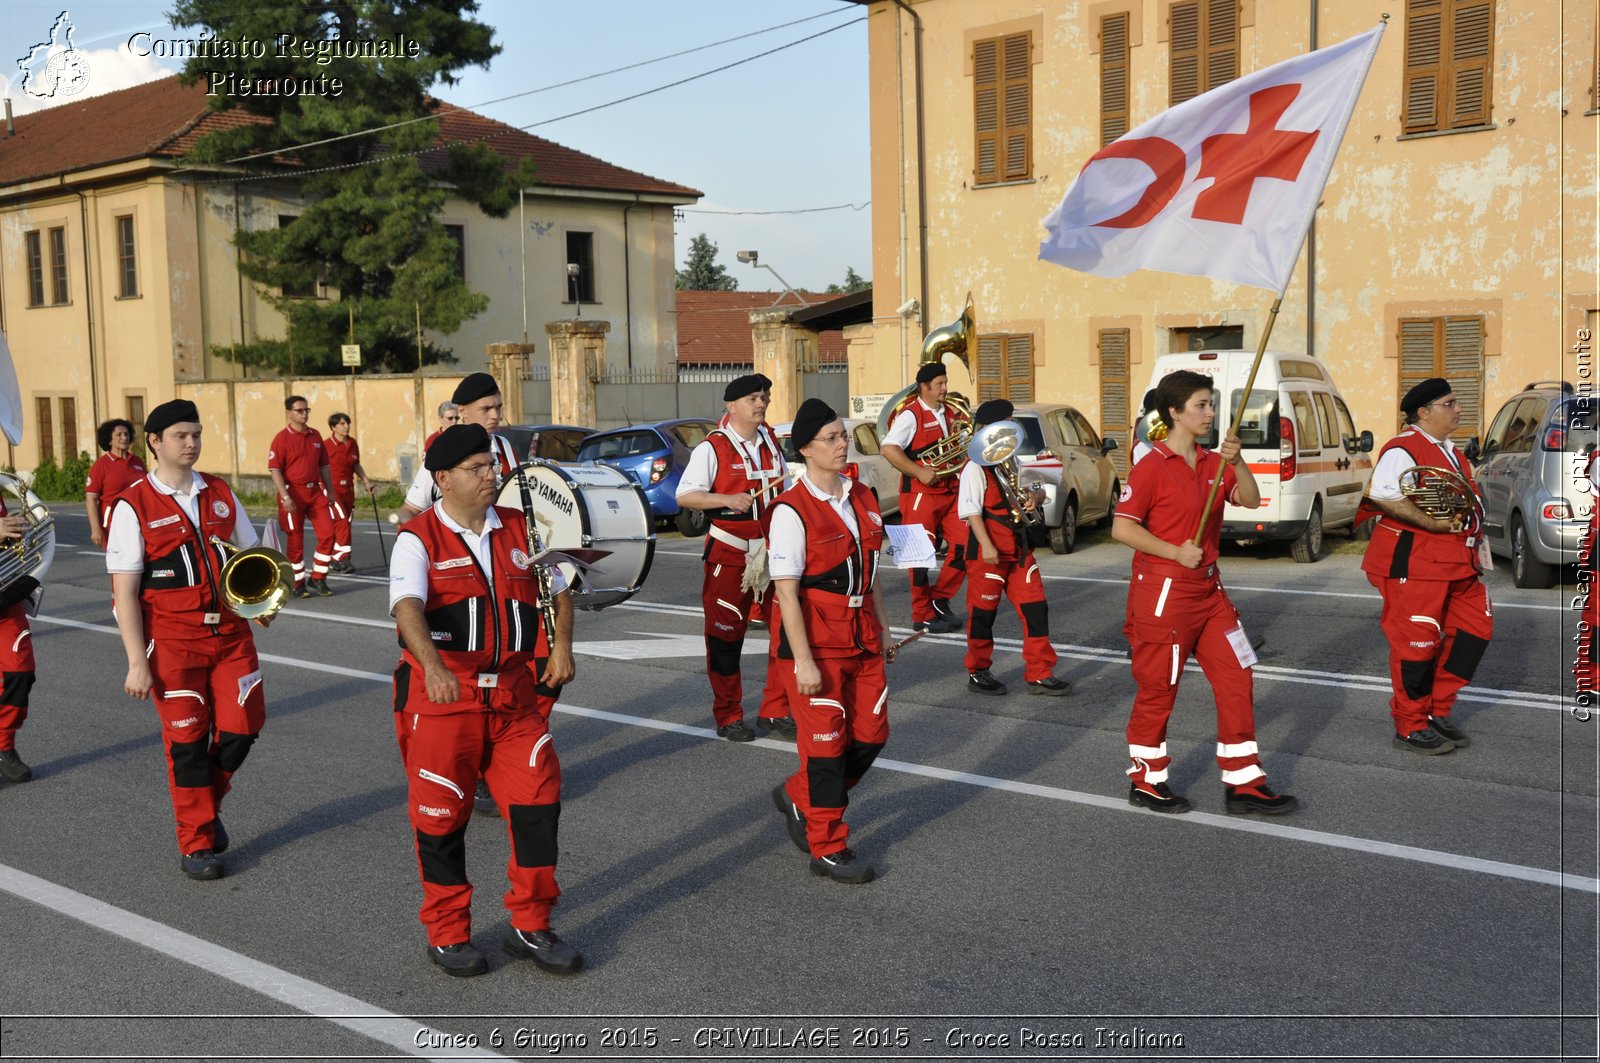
<point>1111,505</point>
<point>692,523</point>
<point>1065,536</point>
<point>1363,532</point>
<point>1527,570</point>
<point>1308,547</point>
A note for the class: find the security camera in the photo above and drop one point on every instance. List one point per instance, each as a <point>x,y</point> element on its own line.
<point>907,308</point>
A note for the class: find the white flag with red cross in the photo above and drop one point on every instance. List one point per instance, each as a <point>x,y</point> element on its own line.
<point>1223,185</point>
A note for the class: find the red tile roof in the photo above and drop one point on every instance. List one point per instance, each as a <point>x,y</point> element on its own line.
<point>714,327</point>
<point>163,118</point>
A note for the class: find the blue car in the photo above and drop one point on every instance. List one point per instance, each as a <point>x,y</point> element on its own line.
<point>655,455</point>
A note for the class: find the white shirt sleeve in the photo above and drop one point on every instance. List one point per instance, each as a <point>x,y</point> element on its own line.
<point>408,570</point>
<point>420,495</point>
<point>1385,484</point>
<point>901,429</point>
<point>701,470</point>
<point>244,533</point>
<point>124,541</point>
<point>969,495</point>
<point>786,544</point>
<point>1140,449</point>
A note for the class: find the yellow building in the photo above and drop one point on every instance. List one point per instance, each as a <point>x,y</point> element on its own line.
<point>1456,237</point>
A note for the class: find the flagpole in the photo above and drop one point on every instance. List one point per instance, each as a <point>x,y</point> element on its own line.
<point>1238,414</point>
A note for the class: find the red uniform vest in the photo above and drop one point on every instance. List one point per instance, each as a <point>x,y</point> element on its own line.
<point>836,587</point>
<point>476,635</point>
<point>733,479</point>
<point>342,462</point>
<point>1002,529</point>
<point>927,434</point>
<point>1403,551</point>
<point>299,455</point>
<point>182,581</point>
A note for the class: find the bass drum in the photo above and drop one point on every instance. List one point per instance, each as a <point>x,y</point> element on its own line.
<point>591,507</point>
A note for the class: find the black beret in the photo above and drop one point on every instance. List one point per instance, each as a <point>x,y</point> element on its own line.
<point>931,372</point>
<point>992,411</point>
<point>1433,388</point>
<point>748,384</point>
<point>1149,401</point>
<point>455,445</point>
<point>163,417</point>
<point>809,420</point>
<point>474,387</point>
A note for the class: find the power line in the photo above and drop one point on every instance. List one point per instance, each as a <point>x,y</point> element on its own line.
<point>756,213</point>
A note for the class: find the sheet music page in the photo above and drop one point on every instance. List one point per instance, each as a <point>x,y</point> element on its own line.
<point>909,545</point>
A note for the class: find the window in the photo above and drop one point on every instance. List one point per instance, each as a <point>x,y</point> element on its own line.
<point>1114,399</point>
<point>1330,421</point>
<point>1002,108</point>
<point>1064,429</point>
<point>1495,440</point>
<point>1347,427</point>
<point>1005,368</point>
<point>1523,427</point>
<point>1449,53</point>
<point>1305,423</point>
<point>1086,434</point>
<point>1448,347</point>
<point>693,433</point>
<point>127,267</point>
<point>1222,338</point>
<point>867,439</point>
<point>58,266</point>
<point>580,253</point>
<point>1204,40</point>
<point>458,235</point>
<point>35,267</point>
<point>135,415</point>
<point>47,445</point>
<point>1113,77</point>
<point>69,429</point>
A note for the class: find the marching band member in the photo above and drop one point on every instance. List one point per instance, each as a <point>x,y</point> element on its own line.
<point>186,652</point>
<point>833,640</point>
<point>736,470</point>
<point>344,468</point>
<point>1000,561</point>
<point>1177,605</point>
<point>466,604</point>
<point>1436,611</point>
<point>17,673</point>
<point>928,499</point>
<point>1142,446</point>
<point>478,401</point>
<point>113,472</point>
<point>449,414</point>
<point>299,468</point>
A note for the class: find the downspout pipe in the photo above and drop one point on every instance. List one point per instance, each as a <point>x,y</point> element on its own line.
<point>627,277</point>
<point>88,310</point>
<point>1311,236</point>
<point>922,158</point>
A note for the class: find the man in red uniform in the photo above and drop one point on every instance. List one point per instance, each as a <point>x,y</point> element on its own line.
<point>1000,561</point>
<point>734,473</point>
<point>477,401</point>
<point>113,472</point>
<point>1436,611</point>
<point>465,598</point>
<point>927,498</point>
<point>344,469</point>
<point>16,653</point>
<point>186,651</point>
<point>1177,606</point>
<point>299,467</point>
<point>833,642</point>
<point>449,414</point>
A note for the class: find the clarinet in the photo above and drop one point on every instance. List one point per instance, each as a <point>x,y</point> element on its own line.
<point>547,598</point>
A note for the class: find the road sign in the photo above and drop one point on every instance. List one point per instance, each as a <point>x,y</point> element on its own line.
<point>350,353</point>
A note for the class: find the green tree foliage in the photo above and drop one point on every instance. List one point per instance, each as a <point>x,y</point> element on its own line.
<point>700,272</point>
<point>369,230</point>
<point>853,282</point>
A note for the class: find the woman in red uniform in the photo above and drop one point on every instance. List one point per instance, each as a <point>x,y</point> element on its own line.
<point>1177,607</point>
<point>344,467</point>
<point>113,472</point>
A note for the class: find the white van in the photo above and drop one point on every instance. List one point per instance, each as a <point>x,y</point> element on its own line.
<point>1301,444</point>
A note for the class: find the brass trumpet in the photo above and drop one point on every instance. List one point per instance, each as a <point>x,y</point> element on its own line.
<point>257,582</point>
<point>1442,494</point>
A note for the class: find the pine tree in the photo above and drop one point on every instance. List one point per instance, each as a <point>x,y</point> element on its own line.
<point>700,272</point>
<point>853,282</point>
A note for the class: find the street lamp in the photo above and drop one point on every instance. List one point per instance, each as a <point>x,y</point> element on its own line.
<point>751,257</point>
<point>573,270</point>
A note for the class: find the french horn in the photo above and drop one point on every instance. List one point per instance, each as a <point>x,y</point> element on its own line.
<point>257,582</point>
<point>1442,494</point>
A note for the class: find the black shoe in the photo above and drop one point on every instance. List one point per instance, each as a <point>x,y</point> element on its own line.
<point>320,588</point>
<point>1157,797</point>
<point>1257,641</point>
<point>919,625</point>
<point>13,767</point>
<point>548,952</point>
<point>984,682</point>
<point>779,726</point>
<point>944,621</point>
<point>460,960</point>
<point>1426,741</point>
<point>1257,797</point>
<point>842,866</point>
<point>792,819</point>
<point>737,731</point>
<point>1050,685</point>
<point>483,801</point>
<point>1441,726</point>
<point>201,865</point>
<point>301,591</point>
<point>219,837</point>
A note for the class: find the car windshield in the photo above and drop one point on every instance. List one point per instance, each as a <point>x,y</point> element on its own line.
<point>1571,425</point>
<point>1032,436</point>
<point>1259,425</point>
<point>623,445</point>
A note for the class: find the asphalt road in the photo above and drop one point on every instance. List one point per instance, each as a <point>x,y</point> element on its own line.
<point>1442,907</point>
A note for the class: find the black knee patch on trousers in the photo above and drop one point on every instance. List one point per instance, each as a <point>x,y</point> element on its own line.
<point>919,577</point>
<point>1465,655</point>
<point>533,834</point>
<point>15,687</point>
<point>402,686</point>
<point>982,625</point>
<point>1036,619</point>
<point>443,857</point>
<point>825,781</point>
<point>1417,677</point>
<point>191,767</point>
<point>858,757</point>
<point>232,749</point>
<point>957,559</point>
<point>722,656</point>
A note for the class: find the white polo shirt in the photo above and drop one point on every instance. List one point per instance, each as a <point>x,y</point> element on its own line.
<point>786,538</point>
<point>125,538</point>
<point>409,565</point>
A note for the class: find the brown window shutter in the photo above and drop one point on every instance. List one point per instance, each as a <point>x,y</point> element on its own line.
<point>47,446</point>
<point>1184,63</point>
<point>69,429</point>
<point>1114,394</point>
<point>1113,77</point>
<point>1019,368</point>
<point>1222,43</point>
<point>986,110</point>
<point>991,367</point>
<point>1462,365</point>
<point>1471,48</point>
<point>1018,141</point>
<point>1418,347</point>
<point>1424,65</point>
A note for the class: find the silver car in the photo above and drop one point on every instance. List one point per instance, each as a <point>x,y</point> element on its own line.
<point>1531,467</point>
<point>876,472</point>
<point>1063,452</point>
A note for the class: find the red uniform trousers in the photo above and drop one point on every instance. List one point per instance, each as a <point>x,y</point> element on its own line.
<point>1019,581</point>
<point>341,513</point>
<point>444,757</point>
<point>1170,617</point>
<point>208,693</point>
<point>841,731</point>
<point>1437,631</point>
<point>727,609</point>
<point>936,513</point>
<point>308,505</point>
<point>16,671</point>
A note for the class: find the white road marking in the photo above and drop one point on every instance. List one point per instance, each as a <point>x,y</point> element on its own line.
<point>650,644</point>
<point>1373,846</point>
<point>395,1031</point>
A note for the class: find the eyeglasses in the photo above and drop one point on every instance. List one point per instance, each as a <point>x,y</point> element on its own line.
<point>300,409</point>
<point>451,418</point>
<point>1448,404</point>
<point>478,469</point>
<point>831,438</point>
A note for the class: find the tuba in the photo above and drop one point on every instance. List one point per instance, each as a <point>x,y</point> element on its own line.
<point>31,554</point>
<point>997,445</point>
<point>1442,494</point>
<point>256,582</point>
<point>958,338</point>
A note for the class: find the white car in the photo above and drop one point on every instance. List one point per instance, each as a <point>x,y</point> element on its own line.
<point>875,470</point>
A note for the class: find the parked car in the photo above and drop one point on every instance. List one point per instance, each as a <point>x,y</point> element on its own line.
<point>655,454</point>
<point>876,472</point>
<point>553,442</point>
<point>1531,469</point>
<point>1062,451</point>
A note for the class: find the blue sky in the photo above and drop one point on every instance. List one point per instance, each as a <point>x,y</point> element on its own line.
<point>786,132</point>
